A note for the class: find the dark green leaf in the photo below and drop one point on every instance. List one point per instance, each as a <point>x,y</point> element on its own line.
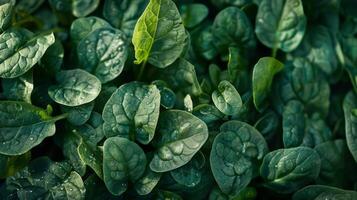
<point>179,137</point>
<point>280,24</point>
<point>123,162</point>
<point>75,87</point>
<point>132,112</point>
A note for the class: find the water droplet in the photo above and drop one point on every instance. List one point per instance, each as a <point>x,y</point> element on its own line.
<point>31,138</point>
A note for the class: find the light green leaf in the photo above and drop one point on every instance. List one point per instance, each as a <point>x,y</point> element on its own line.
<point>21,51</point>
<point>159,36</point>
<point>23,126</point>
<point>263,74</point>
<point>286,170</point>
<point>75,87</point>
<point>132,112</point>
<point>103,53</point>
<point>227,99</point>
<point>123,162</point>
<point>280,24</point>
<point>91,156</point>
<point>179,137</point>
<point>234,155</point>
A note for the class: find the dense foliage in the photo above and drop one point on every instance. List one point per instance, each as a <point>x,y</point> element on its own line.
<point>178,99</point>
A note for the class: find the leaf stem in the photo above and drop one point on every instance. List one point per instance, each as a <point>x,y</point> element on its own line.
<point>59,117</point>
<point>274,52</point>
<point>141,71</point>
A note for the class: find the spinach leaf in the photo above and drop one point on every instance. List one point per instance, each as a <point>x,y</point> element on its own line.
<point>23,126</point>
<point>315,192</point>
<point>159,36</point>
<point>78,115</point>
<point>299,129</point>
<point>132,112</point>
<point>75,87</point>
<point>21,50</point>
<point>103,53</point>
<point>234,155</point>
<point>193,14</point>
<point>179,137</point>
<point>181,76</point>
<point>81,8</point>
<point>231,27</point>
<point>281,24</point>
<point>20,88</point>
<point>82,27</point>
<point>286,170</point>
<point>334,155</point>
<point>146,184</point>
<point>6,9</point>
<point>46,179</point>
<point>227,99</point>
<point>350,103</point>
<point>263,74</point>
<point>123,161</point>
<point>123,14</point>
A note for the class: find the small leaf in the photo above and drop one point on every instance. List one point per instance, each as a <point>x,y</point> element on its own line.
<point>263,74</point>
<point>159,36</point>
<point>75,87</point>
<point>227,99</point>
<point>123,162</point>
